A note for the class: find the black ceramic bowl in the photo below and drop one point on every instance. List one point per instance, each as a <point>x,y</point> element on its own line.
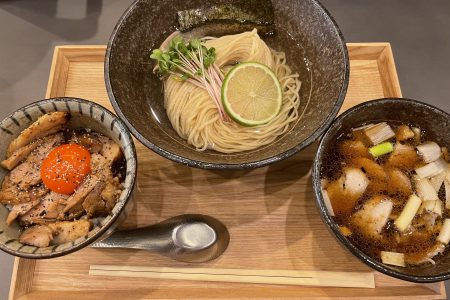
<point>431,119</point>
<point>84,114</point>
<point>304,30</point>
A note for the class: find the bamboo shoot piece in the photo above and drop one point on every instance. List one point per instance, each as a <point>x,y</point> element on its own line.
<point>444,235</point>
<point>408,213</point>
<point>404,133</point>
<point>429,151</point>
<point>432,169</point>
<point>379,133</point>
<point>393,258</point>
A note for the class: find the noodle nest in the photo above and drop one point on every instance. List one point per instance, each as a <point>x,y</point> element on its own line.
<point>195,117</point>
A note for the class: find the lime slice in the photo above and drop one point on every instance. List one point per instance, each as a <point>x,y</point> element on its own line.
<point>251,94</point>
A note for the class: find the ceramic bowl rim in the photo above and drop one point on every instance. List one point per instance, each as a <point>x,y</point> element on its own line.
<point>229,166</point>
<point>326,217</point>
<point>127,197</point>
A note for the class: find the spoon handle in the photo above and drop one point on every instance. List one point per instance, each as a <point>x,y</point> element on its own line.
<point>190,238</point>
<point>157,238</point>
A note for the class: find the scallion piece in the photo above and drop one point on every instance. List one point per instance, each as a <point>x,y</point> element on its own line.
<point>379,133</point>
<point>408,213</point>
<point>432,169</point>
<point>393,258</point>
<point>429,151</point>
<point>381,149</point>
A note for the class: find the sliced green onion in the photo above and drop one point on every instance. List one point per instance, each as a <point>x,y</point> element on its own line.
<point>381,149</point>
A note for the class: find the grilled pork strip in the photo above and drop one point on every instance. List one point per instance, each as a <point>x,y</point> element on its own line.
<point>45,125</point>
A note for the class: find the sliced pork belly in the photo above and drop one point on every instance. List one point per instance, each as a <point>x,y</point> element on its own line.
<point>403,157</point>
<point>49,208</point>
<point>111,151</point>
<point>18,156</point>
<point>347,189</point>
<point>373,216</point>
<point>13,195</point>
<point>398,182</point>
<point>28,173</point>
<point>67,231</point>
<point>91,141</point>
<point>20,210</point>
<point>81,192</point>
<point>39,236</point>
<point>45,125</point>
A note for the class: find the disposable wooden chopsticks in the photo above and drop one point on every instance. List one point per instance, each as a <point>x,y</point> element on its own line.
<point>285,277</point>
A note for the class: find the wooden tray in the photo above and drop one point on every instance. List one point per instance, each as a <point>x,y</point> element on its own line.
<point>270,211</point>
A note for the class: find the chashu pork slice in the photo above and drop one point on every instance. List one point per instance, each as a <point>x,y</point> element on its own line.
<point>55,233</point>
<point>28,173</point>
<point>111,151</point>
<point>13,195</point>
<point>39,236</point>
<point>345,192</point>
<point>20,209</point>
<point>45,125</point>
<point>77,198</point>
<point>48,209</point>
<point>67,231</point>
<point>373,216</point>
<point>19,155</point>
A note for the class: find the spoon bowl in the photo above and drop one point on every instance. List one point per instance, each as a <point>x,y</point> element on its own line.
<point>189,238</point>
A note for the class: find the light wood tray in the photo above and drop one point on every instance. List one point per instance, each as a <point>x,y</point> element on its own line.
<point>270,211</point>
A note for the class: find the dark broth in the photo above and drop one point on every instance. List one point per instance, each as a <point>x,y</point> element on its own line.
<point>414,244</point>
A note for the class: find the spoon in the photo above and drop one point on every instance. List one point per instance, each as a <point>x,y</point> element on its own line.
<point>187,238</point>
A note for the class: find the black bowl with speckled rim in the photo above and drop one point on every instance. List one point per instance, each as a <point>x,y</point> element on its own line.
<point>429,118</point>
<point>304,30</point>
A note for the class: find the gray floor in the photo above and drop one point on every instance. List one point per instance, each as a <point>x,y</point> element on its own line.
<point>419,31</point>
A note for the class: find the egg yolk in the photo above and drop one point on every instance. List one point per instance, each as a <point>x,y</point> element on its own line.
<point>65,167</point>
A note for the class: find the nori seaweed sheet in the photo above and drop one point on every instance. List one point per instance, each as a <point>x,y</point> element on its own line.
<point>235,16</point>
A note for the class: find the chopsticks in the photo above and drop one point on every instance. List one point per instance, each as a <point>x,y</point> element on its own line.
<point>283,277</point>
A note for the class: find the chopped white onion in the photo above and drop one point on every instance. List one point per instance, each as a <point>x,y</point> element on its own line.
<point>417,134</point>
<point>437,181</point>
<point>424,189</point>
<point>393,258</point>
<point>444,235</point>
<point>379,133</point>
<point>429,151</point>
<point>434,206</point>
<point>408,213</point>
<point>362,127</point>
<point>326,200</point>
<point>432,169</point>
<point>447,194</point>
